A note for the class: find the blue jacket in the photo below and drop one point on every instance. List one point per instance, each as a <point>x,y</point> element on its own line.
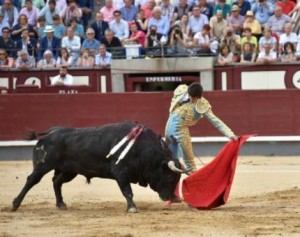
<point>99,33</point>
<point>55,47</point>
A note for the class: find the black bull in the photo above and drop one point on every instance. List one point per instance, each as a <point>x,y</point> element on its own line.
<point>73,151</point>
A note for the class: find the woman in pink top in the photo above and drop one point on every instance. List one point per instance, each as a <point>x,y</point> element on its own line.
<point>137,36</point>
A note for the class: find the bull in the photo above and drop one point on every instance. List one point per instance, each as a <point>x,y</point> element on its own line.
<point>73,151</point>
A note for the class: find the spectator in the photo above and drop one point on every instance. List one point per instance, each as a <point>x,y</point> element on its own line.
<point>118,4</point>
<point>243,5</point>
<point>152,43</point>
<point>7,43</point>
<point>72,43</point>
<point>248,54</point>
<point>288,54</point>
<point>233,41</point>
<point>24,60</point>
<point>108,11</point>
<point>288,36</point>
<point>253,24</point>
<point>148,8</point>
<point>49,11</point>
<point>110,41</point>
<point>262,11</point>
<point>5,60</point>
<point>182,8</point>
<point>39,4</point>
<point>99,26</point>
<point>60,4</point>
<point>287,6</point>
<point>183,24</point>
<point>63,78</point>
<point>58,27</point>
<point>27,43</point>
<point>31,12</point>
<point>77,28</point>
<point>177,42</point>
<point>139,3</point>
<point>2,23</point>
<point>71,12</point>
<point>277,21</point>
<point>217,24</point>
<point>225,56</point>
<point>128,11</point>
<point>41,27</point>
<point>64,59</point>
<point>141,21</point>
<point>85,60</point>
<point>22,24</point>
<point>119,26</point>
<point>48,61</point>
<point>248,37</point>
<point>86,6</point>
<point>113,44</point>
<point>167,10</point>
<point>222,5</point>
<point>236,20</point>
<point>267,55</point>
<point>90,43</point>
<point>206,8</point>
<point>136,36</point>
<point>268,38</point>
<point>104,58</point>
<point>10,13</point>
<point>202,43</point>
<point>196,21</point>
<point>162,23</point>
<point>49,42</point>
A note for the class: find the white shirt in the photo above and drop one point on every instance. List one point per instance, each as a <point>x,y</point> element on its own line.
<point>120,29</point>
<point>288,38</point>
<point>68,80</point>
<point>263,55</point>
<point>73,45</point>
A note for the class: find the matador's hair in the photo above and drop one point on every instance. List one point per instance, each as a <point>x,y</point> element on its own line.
<point>195,90</point>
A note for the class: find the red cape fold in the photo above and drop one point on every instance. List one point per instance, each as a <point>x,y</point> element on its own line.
<point>209,187</point>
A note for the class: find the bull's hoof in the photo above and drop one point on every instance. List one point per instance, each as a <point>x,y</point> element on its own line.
<point>15,205</point>
<point>132,210</point>
<point>62,206</point>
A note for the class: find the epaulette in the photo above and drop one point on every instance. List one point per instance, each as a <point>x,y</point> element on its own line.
<point>202,105</point>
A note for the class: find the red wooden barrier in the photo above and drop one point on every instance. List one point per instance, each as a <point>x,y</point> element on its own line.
<point>246,112</point>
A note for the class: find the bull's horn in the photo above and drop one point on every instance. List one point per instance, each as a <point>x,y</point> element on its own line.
<point>171,165</point>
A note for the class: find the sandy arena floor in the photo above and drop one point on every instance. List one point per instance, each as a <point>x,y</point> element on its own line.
<point>264,201</point>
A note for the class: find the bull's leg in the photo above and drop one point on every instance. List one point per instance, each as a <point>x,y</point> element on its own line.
<point>58,179</point>
<point>35,177</point>
<point>127,193</point>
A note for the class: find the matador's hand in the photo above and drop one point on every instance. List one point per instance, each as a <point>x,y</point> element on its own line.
<point>234,138</point>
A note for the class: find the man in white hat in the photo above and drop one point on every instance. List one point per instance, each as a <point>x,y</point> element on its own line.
<point>49,42</point>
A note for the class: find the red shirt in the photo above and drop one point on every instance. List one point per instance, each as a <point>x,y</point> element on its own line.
<point>286,7</point>
<point>141,37</point>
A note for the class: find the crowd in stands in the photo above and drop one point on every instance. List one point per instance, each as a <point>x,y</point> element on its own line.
<point>51,34</point>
